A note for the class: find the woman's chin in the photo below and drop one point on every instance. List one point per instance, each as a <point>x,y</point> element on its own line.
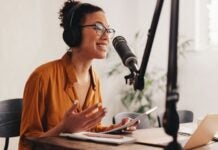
<point>101,56</point>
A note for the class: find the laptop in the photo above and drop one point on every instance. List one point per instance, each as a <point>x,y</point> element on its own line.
<point>202,135</point>
<point>204,132</point>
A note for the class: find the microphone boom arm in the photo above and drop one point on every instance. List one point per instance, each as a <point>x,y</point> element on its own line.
<point>139,78</point>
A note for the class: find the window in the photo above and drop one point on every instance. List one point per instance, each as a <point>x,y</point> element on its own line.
<point>213,22</point>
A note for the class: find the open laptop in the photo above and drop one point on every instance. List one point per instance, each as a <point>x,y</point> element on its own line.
<point>202,135</point>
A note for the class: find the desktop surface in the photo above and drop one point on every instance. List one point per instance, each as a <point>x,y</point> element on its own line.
<point>142,135</point>
<point>57,143</point>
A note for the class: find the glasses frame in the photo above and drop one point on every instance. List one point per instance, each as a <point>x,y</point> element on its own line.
<point>101,31</point>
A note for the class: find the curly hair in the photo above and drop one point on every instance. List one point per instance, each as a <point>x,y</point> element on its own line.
<point>64,12</point>
<point>70,5</point>
<point>72,15</point>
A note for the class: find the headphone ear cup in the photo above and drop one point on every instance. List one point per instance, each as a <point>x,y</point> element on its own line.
<point>67,37</point>
<point>76,36</point>
<point>72,37</point>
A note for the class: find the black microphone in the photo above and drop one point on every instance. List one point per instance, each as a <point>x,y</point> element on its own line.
<point>123,50</point>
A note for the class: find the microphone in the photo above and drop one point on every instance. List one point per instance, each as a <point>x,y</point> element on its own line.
<point>123,50</point>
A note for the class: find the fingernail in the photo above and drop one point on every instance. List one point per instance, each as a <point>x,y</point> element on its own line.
<point>99,104</point>
<point>75,102</point>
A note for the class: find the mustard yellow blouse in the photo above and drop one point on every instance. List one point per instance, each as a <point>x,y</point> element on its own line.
<point>49,93</point>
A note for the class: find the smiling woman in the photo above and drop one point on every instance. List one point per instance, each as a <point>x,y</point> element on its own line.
<point>64,95</point>
<point>95,44</point>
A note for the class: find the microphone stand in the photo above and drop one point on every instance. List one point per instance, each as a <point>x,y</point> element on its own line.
<point>170,118</point>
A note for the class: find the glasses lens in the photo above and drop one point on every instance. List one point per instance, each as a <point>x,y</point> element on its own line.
<point>100,29</point>
<point>111,32</point>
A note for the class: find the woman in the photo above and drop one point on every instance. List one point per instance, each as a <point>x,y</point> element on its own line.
<point>64,95</point>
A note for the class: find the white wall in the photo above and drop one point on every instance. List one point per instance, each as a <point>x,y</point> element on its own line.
<point>198,82</point>
<point>30,35</point>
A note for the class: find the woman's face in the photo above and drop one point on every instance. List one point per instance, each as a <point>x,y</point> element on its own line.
<point>94,42</point>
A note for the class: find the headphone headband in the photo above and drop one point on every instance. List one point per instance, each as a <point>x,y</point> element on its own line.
<point>72,33</point>
<point>72,13</point>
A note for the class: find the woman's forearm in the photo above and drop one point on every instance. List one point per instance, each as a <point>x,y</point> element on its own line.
<point>54,131</point>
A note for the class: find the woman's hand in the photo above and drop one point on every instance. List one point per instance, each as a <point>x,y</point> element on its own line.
<point>129,129</point>
<point>85,120</point>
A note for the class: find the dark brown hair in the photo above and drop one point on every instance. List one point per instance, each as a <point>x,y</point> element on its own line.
<point>72,15</point>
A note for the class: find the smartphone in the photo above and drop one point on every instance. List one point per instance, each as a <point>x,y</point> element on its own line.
<point>132,122</point>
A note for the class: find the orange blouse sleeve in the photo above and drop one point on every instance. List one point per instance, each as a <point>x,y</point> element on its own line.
<point>33,106</point>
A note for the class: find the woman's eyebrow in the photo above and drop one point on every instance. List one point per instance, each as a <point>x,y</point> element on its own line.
<point>106,26</point>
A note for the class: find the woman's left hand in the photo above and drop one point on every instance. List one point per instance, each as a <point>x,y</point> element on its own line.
<point>129,129</point>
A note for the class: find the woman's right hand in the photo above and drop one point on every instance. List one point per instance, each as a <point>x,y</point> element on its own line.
<point>82,121</point>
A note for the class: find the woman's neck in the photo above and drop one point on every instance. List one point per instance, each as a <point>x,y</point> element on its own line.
<point>81,66</point>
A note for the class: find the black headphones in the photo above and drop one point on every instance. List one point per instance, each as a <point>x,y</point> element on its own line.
<point>72,34</point>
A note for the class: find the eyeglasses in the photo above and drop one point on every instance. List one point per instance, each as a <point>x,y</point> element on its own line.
<point>101,29</point>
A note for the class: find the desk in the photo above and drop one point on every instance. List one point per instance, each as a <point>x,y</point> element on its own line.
<point>61,143</point>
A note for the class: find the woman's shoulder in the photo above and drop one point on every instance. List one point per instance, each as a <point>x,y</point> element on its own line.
<point>49,68</point>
